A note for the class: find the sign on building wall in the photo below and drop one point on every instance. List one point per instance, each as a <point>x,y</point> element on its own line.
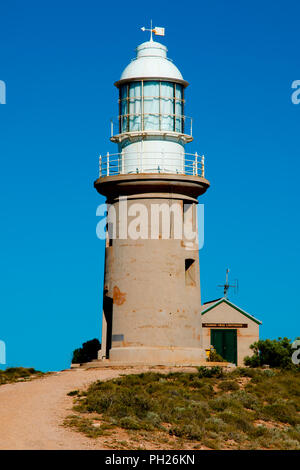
<point>224,325</point>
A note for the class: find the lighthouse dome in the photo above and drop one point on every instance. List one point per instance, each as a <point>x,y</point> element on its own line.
<point>151,62</point>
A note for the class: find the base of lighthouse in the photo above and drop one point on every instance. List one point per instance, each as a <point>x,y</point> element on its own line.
<point>157,355</point>
<point>151,301</point>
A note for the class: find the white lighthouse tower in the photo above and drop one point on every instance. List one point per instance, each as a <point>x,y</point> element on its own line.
<point>152,305</point>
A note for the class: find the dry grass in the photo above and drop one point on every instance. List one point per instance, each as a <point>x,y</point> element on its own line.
<point>18,374</point>
<point>242,409</point>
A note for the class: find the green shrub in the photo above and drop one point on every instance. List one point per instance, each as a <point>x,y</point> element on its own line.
<point>215,424</point>
<point>209,372</point>
<point>247,400</point>
<point>190,431</point>
<point>153,418</point>
<point>239,421</point>
<point>229,385</point>
<point>269,373</point>
<point>87,353</point>
<point>215,357</point>
<point>275,353</point>
<point>225,402</point>
<point>245,372</point>
<point>130,422</point>
<point>193,407</point>
<point>12,374</point>
<point>281,411</point>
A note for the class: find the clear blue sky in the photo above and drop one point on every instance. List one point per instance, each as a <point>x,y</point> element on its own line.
<point>59,60</point>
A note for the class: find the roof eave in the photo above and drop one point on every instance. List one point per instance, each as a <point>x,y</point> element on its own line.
<point>163,79</point>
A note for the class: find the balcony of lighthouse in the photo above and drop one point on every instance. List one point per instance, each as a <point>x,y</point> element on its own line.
<point>148,162</point>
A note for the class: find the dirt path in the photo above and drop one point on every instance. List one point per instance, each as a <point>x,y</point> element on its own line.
<point>31,413</point>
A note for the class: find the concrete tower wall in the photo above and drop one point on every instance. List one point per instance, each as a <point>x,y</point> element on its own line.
<point>152,304</point>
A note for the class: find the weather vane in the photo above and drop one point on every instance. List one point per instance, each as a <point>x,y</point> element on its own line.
<point>158,31</point>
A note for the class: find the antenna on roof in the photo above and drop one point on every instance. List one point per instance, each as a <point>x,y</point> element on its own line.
<point>226,286</point>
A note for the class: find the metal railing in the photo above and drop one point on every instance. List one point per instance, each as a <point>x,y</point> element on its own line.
<point>140,122</point>
<point>151,162</point>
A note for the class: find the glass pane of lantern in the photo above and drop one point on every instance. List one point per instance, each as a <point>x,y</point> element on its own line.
<point>124,123</point>
<point>178,108</point>
<point>178,91</point>
<point>151,105</point>
<point>167,99</point>
<point>135,106</point>
<point>178,118</point>
<point>123,108</point>
<point>123,91</point>
<point>123,117</point>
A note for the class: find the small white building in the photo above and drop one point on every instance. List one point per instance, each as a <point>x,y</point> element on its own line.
<point>229,329</point>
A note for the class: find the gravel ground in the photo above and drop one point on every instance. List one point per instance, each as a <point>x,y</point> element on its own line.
<point>32,413</point>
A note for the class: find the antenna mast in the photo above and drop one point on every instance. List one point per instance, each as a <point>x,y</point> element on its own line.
<point>226,286</point>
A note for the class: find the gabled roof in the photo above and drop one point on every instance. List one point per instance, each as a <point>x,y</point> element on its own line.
<point>226,301</point>
<point>211,301</point>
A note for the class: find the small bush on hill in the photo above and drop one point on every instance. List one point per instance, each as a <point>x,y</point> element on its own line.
<point>229,385</point>
<point>215,357</point>
<point>275,353</point>
<point>215,371</point>
<point>87,353</point>
<point>207,407</point>
<point>13,374</point>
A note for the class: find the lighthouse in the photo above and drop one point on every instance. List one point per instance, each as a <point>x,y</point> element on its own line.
<point>151,294</point>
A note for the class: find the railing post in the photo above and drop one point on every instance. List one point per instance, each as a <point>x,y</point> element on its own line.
<point>122,162</point>
<point>191,126</point>
<point>100,166</point>
<point>107,164</point>
<point>203,169</point>
<point>196,164</point>
<point>111,128</point>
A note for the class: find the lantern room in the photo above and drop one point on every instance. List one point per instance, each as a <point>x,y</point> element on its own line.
<point>151,105</point>
<point>151,129</point>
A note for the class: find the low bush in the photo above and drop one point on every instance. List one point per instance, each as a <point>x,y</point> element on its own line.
<point>87,352</point>
<point>13,374</point>
<point>209,407</point>
<point>215,371</point>
<point>229,385</point>
<point>215,357</point>
<point>275,353</point>
<point>281,411</point>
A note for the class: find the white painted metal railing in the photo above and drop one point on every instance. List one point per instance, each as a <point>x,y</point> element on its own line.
<point>151,162</point>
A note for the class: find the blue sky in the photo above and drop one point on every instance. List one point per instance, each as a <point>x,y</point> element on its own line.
<point>59,60</point>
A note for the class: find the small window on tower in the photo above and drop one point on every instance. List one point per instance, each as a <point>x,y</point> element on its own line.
<point>109,234</point>
<point>190,272</point>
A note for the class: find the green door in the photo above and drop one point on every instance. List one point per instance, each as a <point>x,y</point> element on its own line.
<point>225,343</point>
